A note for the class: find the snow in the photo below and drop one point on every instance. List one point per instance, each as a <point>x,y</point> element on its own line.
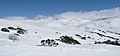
<point>59,51</point>
<point>69,23</point>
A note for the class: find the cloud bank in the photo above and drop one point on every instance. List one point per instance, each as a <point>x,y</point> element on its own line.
<point>15,18</point>
<point>91,15</point>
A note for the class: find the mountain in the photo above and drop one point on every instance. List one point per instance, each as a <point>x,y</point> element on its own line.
<point>94,33</point>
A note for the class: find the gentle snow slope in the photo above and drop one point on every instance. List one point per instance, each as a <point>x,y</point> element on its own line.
<point>105,22</point>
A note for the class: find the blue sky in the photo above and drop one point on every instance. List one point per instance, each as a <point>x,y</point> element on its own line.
<point>50,7</point>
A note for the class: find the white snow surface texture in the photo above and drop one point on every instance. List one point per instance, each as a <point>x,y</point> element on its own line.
<point>68,23</point>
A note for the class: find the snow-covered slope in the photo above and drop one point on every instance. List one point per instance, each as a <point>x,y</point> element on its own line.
<point>91,29</point>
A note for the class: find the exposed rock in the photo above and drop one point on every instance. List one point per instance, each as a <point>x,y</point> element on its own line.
<point>5,30</point>
<point>78,35</point>
<point>114,32</point>
<point>57,33</point>
<point>84,38</point>
<point>35,32</point>
<point>89,37</point>
<point>11,28</point>
<point>21,31</point>
<point>108,42</point>
<point>102,31</point>
<point>102,35</point>
<point>68,40</point>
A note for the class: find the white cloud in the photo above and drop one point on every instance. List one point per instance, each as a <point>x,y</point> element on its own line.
<point>40,17</point>
<point>91,15</point>
<point>15,18</point>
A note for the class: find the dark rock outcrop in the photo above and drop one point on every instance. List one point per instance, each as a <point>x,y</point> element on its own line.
<point>68,40</point>
<point>5,30</point>
<point>21,31</point>
<point>83,38</point>
<point>11,28</point>
<point>102,35</point>
<point>108,42</point>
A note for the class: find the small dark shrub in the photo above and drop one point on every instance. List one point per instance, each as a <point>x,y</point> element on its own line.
<point>49,42</point>
<point>13,37</point>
